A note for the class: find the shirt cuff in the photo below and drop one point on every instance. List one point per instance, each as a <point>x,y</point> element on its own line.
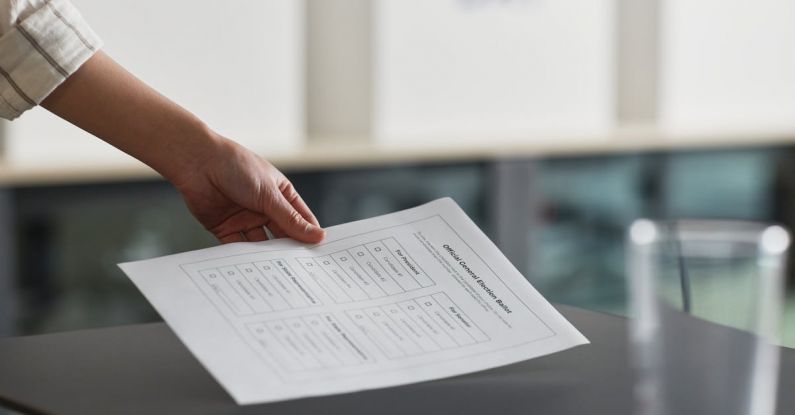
<point>40,52</point>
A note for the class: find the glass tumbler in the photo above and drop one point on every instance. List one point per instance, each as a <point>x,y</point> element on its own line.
<point>706,301</point>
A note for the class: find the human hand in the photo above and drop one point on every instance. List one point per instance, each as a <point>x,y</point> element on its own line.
<point>235,194</point>
<point>231,191</point>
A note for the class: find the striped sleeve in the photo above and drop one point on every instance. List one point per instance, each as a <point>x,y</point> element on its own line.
<point>40,52</point>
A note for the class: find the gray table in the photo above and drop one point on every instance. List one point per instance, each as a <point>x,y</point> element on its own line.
<point>144,369</point>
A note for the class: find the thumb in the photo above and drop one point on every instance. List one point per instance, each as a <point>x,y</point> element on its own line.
<point>293,224</point>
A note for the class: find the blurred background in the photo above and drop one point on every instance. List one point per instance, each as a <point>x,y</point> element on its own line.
<point>554,124</point>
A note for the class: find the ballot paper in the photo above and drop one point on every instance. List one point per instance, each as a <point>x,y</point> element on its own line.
<point>405,297</point>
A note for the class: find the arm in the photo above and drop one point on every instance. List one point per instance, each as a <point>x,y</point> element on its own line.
<point>230,190</point>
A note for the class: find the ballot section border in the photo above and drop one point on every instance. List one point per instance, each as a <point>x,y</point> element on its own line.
<point>285,276</point>
<point>277,370</point>
<point>366,314</point>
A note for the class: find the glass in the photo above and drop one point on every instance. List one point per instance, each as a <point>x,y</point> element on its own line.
<point>706,297</point>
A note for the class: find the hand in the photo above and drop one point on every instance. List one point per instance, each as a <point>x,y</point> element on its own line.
<point>230,190</point>
<point>234,193</point>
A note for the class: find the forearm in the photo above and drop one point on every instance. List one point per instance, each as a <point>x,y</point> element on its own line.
<point>107,101</point>
<point>233,192</point>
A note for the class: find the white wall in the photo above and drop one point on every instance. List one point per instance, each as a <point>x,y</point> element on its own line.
<point>460,69</point>
<point>727,65</point>
<point>236,64</point>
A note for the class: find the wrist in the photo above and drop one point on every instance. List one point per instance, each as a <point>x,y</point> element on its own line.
<point>189,152</point>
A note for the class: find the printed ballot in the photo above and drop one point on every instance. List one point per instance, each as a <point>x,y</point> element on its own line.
<point>410,296</point>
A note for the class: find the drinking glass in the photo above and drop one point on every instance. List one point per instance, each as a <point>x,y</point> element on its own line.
<point>706,300</point>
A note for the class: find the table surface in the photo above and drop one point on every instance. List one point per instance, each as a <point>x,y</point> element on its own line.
<point>145,369</point>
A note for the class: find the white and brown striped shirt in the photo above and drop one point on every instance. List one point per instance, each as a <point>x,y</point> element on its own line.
<point>42,42</point>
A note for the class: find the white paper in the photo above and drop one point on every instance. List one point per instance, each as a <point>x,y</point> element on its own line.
<point>410,296</point>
